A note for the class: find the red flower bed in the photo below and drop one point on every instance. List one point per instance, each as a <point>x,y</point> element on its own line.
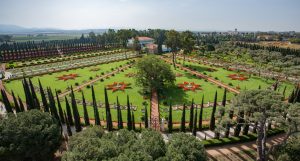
<point>189,86</point>
<point>67,77</point>
<point>118,86</point>
<point>240,77</point>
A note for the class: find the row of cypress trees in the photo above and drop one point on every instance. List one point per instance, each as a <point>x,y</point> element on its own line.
<point>194,123</point>
<point>70,116</point>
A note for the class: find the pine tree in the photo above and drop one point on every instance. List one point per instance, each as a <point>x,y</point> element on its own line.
<point>146,116</point>
<point>191,115</point>
<point>108,114</point>
<point>17,107</point>
<point>212,118</point>
<point>96,113</point>
<point>68,125</point>
<point>224,97</point>
<point>75,112</point>
<point>22,108</point>
<point>170,121</point>
<point>36,101</point>
<point>201,113</point>
<point>129,121</point>
<point>44,100</point>
<point>120,119</point>
<point>29,99</point>
<point>6,102</point>
<point>133,121</point>
<point>182,126</point>
<point>85,112</point>
<point>69,113</point>
<point>194,131</point>
<point>60,111</point>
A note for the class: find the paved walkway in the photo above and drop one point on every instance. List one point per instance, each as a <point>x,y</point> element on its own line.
<point>198,74</point>
<point>155,121</point>
<point>239,151</point>
<point>94,80</point>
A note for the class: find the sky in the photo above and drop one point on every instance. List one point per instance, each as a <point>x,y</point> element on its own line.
<point>200,15</point>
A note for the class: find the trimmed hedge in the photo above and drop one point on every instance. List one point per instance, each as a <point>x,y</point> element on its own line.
<point>240,139</point>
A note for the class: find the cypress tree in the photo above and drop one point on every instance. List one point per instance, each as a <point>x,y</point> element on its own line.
<point>6,102</point>
<point>239,125</point>
<point>194,131</point>
<point>224,98</point>
<point>44,100</point>
<point>68,125</point>
<point>212,118</point>
<point>96,113</point>
<point>29,99</point>
<point>170,121</point>
<point>133,121</point>
<point>85,112</point>
<point>259,87</point>
<point>129,121</point>
<point>191,115</point>
<point>201,113</point>
<point>120,119</point>
<point>53,109</point>
<point>60,111</point>
<point>36,101</point>
<point>146,117</point>
<point>22,108</point>
<point>75,112</point>
<point>182,126</point>
<point>292,97</point>
<point>69,113</point>
<point>17,107</point>
<point>108,114</point>
<point>283,93</point>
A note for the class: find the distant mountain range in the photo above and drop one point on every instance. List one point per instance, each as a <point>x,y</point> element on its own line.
<point>14,29</point>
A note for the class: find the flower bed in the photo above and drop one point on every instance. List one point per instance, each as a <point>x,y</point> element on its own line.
<point>189,86</point>
<point>67,77</point>
<point>118,86</point>
<point>240,77</point>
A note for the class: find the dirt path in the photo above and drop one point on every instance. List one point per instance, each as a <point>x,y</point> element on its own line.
<point>94,80</point>
<point>198,74</point>
<point>155,122</point>
<point>239,151</point>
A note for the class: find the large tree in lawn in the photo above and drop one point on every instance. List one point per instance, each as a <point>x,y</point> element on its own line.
<point>173,41</point>
<point>265,106</point>
<point>153,74</point>
<point>188,43</point>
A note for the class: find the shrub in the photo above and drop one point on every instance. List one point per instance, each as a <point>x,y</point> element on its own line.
<point>76,84</point>
<point>230,84</point>
<point>216,78</point>
<point>205,73</point>
<point>101,79</point>
<point>91,77</point>
<point>88,86</point>
<point>102,73</point>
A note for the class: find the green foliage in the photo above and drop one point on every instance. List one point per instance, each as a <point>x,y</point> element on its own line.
<point>32,135</point>
<point>289,151</point>
<point>153,73</point>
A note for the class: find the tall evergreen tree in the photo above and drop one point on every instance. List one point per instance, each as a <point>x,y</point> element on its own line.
<point>108,114</point>
<point>201,113</point>
<point>283,93</point>
<point>85,112</point>
<point>69,113</point>
<point>133,121</point>
<point>146,117</point>
<point>96,112</point>
<point>44,100</point>
<point>182,126</point>
<point>129,121</point>
<point>36,101</point>
<point>17,107</point>
<point>170,121</point>
<point>194,131</point>
<point>69,131</point>
<point>29,99</point>
<point>60,111</point>
<point>212,118</point>
<point>191,115</point>
<point>22,108</point>
<point>75,112</point>
<point>120,119</point>
<point>6,102</point>
<point>292,97</point>
<point>52,106</point>
<point>224,97</point>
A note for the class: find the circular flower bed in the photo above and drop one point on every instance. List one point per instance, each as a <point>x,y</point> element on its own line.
<point>66,77</point>
<point>189,86</point>
<point>240,77</point>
